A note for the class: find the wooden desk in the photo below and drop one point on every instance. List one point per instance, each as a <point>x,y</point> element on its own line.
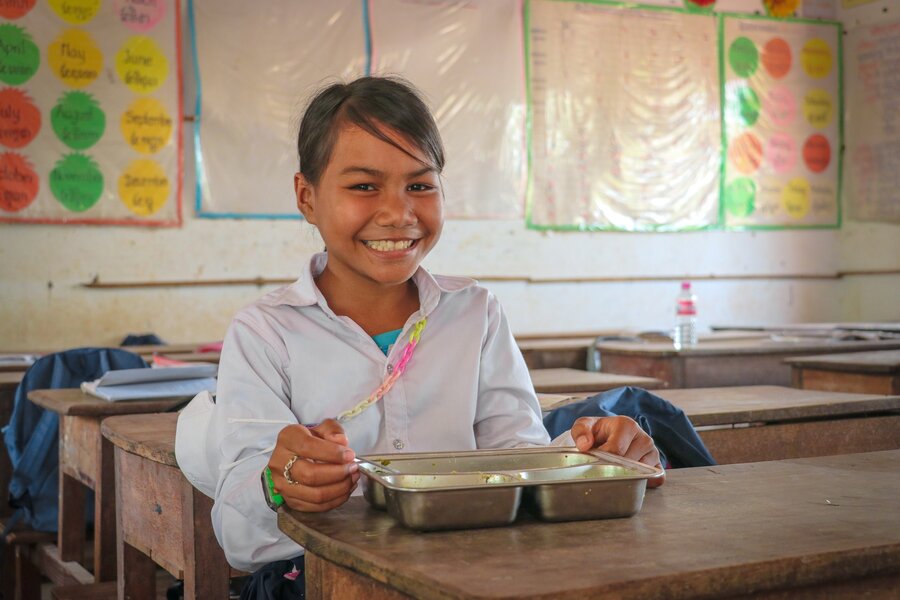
<point>893,327</point>
<point>86,462</point>
<point>556,381</point>
<point>756,423</point>
<point>864,372</point>
<point>723,363</point>
<point>161,518</point>
<point>548,353</point>
<point>8,383</point>
<point>210,357</point>
<point>805,528</point>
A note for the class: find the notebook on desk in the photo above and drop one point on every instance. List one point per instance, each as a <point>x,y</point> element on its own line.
<point>144,384</point>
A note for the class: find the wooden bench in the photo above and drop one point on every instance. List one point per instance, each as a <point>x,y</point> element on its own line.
<point>757,361</point>
<point>19,578</point>
<point>565,381</point>
<point>863,372</point>
<point>161,518</point>
<point>85,463</point>
<point>821,527</point>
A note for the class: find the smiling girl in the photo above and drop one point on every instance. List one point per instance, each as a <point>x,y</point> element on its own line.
<point>367,352</point>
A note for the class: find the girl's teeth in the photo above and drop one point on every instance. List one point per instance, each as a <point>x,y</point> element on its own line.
<point>389,245</point>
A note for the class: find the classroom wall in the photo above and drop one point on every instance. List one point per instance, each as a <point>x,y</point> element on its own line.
<point>762,277</point>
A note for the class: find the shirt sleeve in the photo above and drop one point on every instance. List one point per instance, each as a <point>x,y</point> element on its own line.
<point>252,406</point>
<point>508,413</point>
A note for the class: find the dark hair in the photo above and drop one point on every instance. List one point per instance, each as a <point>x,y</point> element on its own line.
<point>373,104</point>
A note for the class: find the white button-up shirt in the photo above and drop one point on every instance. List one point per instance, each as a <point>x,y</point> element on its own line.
<point>289,358</point>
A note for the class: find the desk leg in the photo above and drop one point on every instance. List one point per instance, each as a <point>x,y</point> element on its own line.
<point>326,580</point>
<point>71,518</point>
<point>105,514</point>
<point>136,572</point>
<point>206,571</point>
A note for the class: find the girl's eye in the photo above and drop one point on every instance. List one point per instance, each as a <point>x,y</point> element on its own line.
<point>420,187</point>
<point>363,187</point>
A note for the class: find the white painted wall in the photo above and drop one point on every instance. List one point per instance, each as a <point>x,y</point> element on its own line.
<point>42,267</point>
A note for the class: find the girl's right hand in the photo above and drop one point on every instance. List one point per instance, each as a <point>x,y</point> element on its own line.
<point>325,472</point>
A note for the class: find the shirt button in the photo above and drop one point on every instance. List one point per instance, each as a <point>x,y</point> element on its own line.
<point>398,444</point>
<point>390,368</point>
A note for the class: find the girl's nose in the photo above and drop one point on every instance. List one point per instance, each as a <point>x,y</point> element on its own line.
<point>397,210</point>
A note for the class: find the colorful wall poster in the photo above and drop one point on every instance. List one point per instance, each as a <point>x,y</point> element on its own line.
<point>782,106</point>
<point>90,112</point>
<point>782,8</point>
<point>872,182</point>
<point>255,69</point>
<point>625,124</point>
<point>466,58</point>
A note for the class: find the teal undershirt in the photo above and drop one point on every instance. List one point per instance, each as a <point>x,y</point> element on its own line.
<point>386,340</point>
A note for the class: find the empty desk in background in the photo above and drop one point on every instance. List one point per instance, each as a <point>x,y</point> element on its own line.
<point>548,353</point>
<point>161,518</point>
<point>863,372</point>
<point>85,461</point>
<point>562,381</point>
<point>189,357</point>
<point>809,528</point>
<point>756,423</point>
<point>723,363</point>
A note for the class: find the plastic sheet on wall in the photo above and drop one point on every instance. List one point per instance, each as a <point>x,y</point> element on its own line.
<point>466,57</point>
<point>90,112</point>
<point>256,68</point>
<point>782,108</point>
<point>625,122</point>
<point>872,184</point>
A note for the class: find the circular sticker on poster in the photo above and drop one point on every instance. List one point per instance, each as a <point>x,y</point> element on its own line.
<point>76,182</point>
<point>140,15</point>
<point>740,197</point>
<point>743,105</point>
<point>795,198</point>
<point>817,153</point>
<point>816,58</point>
<point>141,65</point>
<point>75,58</point>
<point>781,152</point>
<point>18,182</point>
<point>743,57</point>
<point>781,8</point>
<point>146,125</point>
<point>20,119</point>
<point>75,12</point>
<point>776,57</point>
<point>15,9</point>
<point>818,108</point>
<point>745,153</point>
<point>19,55</point>
<point>78,120</point>
<point>780,106</point>
<point>144,187</point>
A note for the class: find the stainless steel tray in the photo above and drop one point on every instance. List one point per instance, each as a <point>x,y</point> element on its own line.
<point>484,488</point>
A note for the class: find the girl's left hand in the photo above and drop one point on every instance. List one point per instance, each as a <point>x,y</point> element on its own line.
<point>617,435</point>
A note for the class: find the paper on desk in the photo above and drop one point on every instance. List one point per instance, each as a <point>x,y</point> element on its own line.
<point>13,360</point>
<point>146,384</point>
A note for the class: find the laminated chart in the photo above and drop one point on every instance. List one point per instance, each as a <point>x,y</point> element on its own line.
<point>255,71</point>
<point>782,107</point>
<point>872,181</point>
<point>90,112</point>
<point>625,123</point>
<point>466,57</point>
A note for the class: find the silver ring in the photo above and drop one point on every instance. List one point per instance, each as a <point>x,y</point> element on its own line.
<point>287,470</point>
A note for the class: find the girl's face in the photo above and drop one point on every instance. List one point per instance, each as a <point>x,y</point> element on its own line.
<point>379,211</point>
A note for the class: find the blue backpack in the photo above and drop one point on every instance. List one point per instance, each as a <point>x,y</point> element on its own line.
<point>32,435</point>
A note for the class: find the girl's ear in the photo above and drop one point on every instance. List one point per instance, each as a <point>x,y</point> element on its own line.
<point>306,198</point>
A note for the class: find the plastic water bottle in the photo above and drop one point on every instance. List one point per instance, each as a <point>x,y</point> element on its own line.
<point>685,318</point>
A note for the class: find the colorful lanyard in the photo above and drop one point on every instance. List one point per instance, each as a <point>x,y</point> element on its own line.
<point>391,379</point>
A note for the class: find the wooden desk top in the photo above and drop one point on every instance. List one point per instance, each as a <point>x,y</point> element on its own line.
<point>882,361</point>
<point>771,403</point>
<point>73,402</point>
<point>209,357</point>
<point>151,436</point>
<point>718,532</point>
<point>10,380</point>
<point>550,344</point>
<point>860,326</point>
<point>573,380</point>
<point>778,345</point>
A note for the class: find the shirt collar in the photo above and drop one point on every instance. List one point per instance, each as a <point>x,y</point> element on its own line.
<point>304,292</point>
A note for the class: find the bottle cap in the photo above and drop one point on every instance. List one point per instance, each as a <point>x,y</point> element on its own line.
<point>685,285</point>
